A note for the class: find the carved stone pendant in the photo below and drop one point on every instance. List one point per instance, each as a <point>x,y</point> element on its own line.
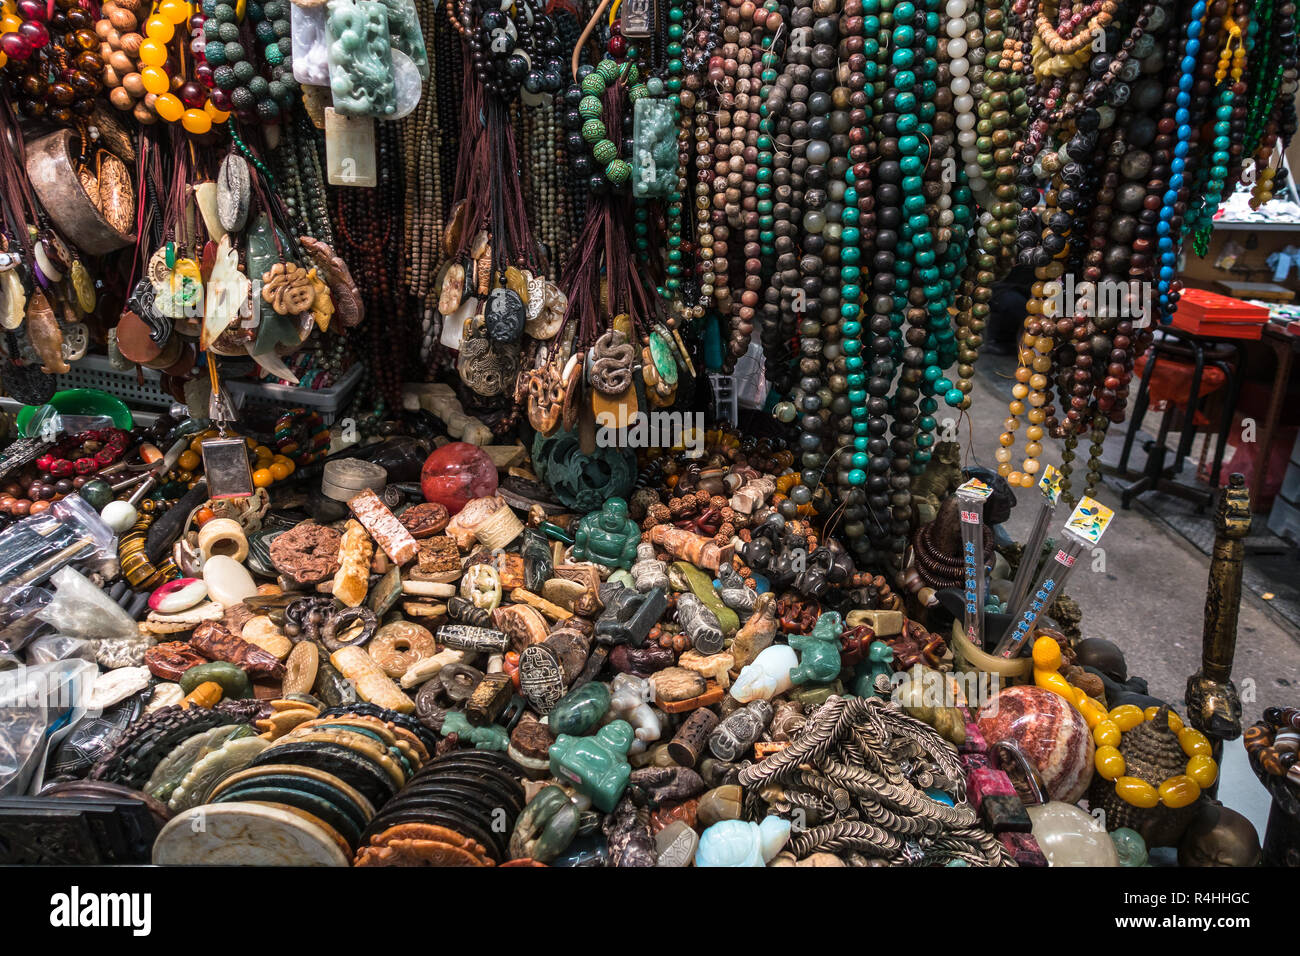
<point>47,338</point>
<point>13,300</point>
<point>233,192</point>
<point>330,267</point>
<point>485,366</point>
<point>503,315</point>
<point>545,399</point>
<point>83,286</point>
<point>546,308</point>
<point>573,379</point>
<point>453,288</point>
<point>76,340</point>
<point>610,364</point>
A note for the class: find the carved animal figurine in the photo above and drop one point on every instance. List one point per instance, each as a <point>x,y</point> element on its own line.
<point>756,633</point>
<point>630,701</point>
<point>490,737</point>
<point>742,843</point>
<point>819,652</point>
<point>881,658</point>
<point>767,676</point>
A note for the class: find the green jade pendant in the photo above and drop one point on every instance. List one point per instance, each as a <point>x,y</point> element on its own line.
<point>361,59</point>
<point>654,150</point>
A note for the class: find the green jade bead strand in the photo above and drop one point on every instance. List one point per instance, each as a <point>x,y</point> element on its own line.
<point>1200,219</point>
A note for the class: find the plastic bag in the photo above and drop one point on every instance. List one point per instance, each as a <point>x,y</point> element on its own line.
<point>19,622</point>
<point>80,609</point>
<point>59,647</point>
<point>38,707</point>
<point>70,530</point>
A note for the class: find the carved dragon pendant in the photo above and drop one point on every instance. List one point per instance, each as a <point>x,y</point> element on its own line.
<point>487,367</point>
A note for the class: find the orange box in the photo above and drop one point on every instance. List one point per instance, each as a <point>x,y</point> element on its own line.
<point>1219,316</point>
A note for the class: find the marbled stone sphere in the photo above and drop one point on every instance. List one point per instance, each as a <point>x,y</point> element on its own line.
<point>1052,735</point>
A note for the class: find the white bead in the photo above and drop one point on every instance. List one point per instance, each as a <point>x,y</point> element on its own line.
<point>119,515</point>
<point>965,121</point>
<point>960,84</point>
<point>957,46</point>
<point>956,28</point>
<point>973,172</point>
<point>964,103</point>
<point>959,67</point>
<point>955,8</point>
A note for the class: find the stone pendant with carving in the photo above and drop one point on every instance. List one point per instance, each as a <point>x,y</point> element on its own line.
<point>226,292</point>
<point>546,308</point>
<point>610,364</point>
<point>486,367</point>
<point>287,288</point>
<point>610,367</point>
<point>545,396</point>
<point>13,300</point>
<point>47,338</point>
<point>348,307</point>
<point>503,315</point>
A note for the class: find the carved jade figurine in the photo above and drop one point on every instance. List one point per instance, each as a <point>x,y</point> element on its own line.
<point>767,676</point>
<point>742,843</point>
<point>607,537</point>
<point>630,701</point>
<point>819,652</point>
<point>596,766</point>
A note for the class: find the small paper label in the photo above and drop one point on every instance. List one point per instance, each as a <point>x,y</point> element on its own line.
<point>1089,520</point>
<point>974,490</point>
<point>1050,485</point>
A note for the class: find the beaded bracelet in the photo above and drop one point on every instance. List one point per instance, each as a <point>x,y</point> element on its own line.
<point>291,425</point>
<point>593,131</point>
<point>1178,791</point>
<point>1273,744</point>
<point>115,444</point>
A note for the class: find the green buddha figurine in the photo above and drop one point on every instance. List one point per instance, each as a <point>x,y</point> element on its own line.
<point>607,536</point>
<point>597,766</point>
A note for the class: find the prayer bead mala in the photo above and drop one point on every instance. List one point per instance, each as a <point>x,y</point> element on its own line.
<point>368,220</point>
<point>421,133</point>
<point>1271,112</point>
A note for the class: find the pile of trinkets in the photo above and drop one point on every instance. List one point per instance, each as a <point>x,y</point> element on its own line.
<point>443,664</point>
